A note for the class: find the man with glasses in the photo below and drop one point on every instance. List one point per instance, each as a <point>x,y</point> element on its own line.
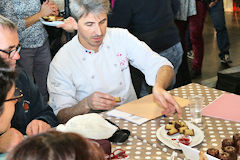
<point>32,115</point>
<point>12,53</point>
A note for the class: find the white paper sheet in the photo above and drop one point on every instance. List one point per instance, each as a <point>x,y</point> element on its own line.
<point>129,117</point>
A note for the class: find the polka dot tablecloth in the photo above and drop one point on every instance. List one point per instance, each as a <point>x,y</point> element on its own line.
<point>143,137</point>
<point>138,149</point>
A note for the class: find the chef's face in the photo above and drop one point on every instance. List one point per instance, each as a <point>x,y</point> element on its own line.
<point>91,30</point>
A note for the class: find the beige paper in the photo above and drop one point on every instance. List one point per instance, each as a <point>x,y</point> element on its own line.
<point>146,107</point>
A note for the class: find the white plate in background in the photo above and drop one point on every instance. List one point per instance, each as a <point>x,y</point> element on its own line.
<point>53,23</point>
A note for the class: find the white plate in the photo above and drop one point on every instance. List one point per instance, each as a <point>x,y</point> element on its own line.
<point>53,23</point>
<point>167,140</point>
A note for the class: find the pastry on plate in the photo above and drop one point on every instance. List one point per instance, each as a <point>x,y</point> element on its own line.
<point>172,131</point>
<point>52,18</point>
<point>189,132</point>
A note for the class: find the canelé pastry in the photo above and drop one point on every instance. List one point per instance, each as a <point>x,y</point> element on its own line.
<point>213,152</point>
<point>227,142</point>
<point>237,146</point>
<point>236,137</point>
<point>224,156</point>
<point>232,151</point>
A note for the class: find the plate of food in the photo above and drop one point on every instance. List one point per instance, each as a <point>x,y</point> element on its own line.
<point>180,132</point>
<point>52,20</point>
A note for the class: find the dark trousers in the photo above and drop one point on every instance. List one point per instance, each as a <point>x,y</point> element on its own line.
<point>218,18</point>
<point>183,75</point>
<point>196,24</point>
<point>35,62</point>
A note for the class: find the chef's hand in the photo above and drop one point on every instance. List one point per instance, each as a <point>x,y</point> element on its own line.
<point>211,4</point>
<point>36,127</point>
<point>165,99</point>
<point>100,101</point>
<point>10,139</point>
<point>69,25</point>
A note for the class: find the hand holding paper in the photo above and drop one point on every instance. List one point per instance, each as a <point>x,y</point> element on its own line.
<point>145,108</point>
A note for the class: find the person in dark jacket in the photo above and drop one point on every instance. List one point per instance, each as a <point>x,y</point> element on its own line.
<point>32,115</point>
<point>32,106</point>
<point>151,22</point>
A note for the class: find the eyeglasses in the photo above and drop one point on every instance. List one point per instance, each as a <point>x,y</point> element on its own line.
<point>13,52</point>
<point>17,96</point>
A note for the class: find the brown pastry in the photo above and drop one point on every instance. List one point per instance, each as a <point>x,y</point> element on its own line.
<point>117,99</point>
<point>227,142</point>
<point>52,18</point>
<point>213,152</point>
<point>169,126</point>
<point>183,124</point>
<point>177,125</point>
<point>224,156</point>
<point>172,131</point>
<point>232,151</point>
<point>181,129</point>
<point>236,137</point>
<point>172,122</point>
<point>189,132</point>
<point>238,146</point>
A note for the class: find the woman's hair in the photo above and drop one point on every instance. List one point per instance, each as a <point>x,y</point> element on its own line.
<point>7,79</point>
<point>54,145</point>
<point>83,7</point>
<point>6,23</point>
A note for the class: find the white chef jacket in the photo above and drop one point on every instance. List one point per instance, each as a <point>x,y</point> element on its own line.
<point>76,72</point>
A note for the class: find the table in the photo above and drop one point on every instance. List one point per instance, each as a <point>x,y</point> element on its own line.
<point>143,143</point>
